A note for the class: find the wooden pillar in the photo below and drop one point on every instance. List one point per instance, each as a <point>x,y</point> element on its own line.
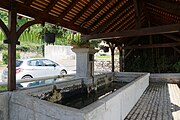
<point>12,34</point>
<point>112,47</point>
<point>12,20</point>
<point>121,58</point>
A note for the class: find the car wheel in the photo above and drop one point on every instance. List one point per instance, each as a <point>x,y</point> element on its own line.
<point>27,77</point>
<point>63,72</point>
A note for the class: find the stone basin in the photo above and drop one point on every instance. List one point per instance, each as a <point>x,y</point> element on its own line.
<point>21,105</point>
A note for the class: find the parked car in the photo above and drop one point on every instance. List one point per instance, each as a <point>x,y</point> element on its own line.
<point>35,67</point>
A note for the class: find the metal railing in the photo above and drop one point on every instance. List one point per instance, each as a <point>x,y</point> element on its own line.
<point>38,79</point>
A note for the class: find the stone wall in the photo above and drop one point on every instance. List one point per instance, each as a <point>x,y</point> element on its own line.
<point>22,106</point>
<point>4,105</point>
<point>165,77</point>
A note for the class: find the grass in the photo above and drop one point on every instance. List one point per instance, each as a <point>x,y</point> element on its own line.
<point>3,88</point>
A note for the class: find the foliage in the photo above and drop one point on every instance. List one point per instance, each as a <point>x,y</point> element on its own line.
<point>4,17</point>
<point>5,56</point>
<point>3,88</point>
<point>139,62</point>
<point>145,61</point>
<point>75,40</point>
<point>176,66</point>
<point>50,28</point>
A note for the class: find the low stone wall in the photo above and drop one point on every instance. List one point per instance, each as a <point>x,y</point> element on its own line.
<point>115,106</point>
<point>165,77</point>
<point>4,105</point>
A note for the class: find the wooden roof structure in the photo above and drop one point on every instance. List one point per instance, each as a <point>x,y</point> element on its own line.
<point>115,21</point>
<point>91,17</point>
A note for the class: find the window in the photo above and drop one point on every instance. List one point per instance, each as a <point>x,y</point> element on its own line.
<point>49,63</point>
<point>18,63</point>
<point>35,63</point>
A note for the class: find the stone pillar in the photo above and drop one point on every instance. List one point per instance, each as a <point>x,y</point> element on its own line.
<point>84,62</point>
<point>85,65</point>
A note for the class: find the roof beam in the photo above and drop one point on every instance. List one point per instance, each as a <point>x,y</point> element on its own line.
<point>39,15</point>
<point>169,7</point>
<point>63,14</point>
<point>106,13</point>
<point>134,33</point>
<point>28,2</point>
<point>117,20</point>
<point>98,10</point>
<point>51,4</point>
<point>84,10</point>
<point>176,49</point>
<point>127,18</point>
<point>175,38</point>
<point>153,45</point>
<point>112,17</point>
<point>137,13</point>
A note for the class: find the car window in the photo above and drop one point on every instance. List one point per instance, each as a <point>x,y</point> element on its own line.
<point>48,62</point>
<point>35,63</point>
<point>18,63</point>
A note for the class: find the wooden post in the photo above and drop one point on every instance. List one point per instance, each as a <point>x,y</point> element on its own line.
<point>112,47</point>
<point>123,58</point>
<point>12,19</point>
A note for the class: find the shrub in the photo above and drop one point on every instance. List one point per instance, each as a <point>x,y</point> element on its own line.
<point>5,56</point>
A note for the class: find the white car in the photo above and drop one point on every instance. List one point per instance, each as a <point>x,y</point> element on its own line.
<point>35,67</point>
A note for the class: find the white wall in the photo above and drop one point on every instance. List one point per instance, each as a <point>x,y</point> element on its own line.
<point>57,52</point>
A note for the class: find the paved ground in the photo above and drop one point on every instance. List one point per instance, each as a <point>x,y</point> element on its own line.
<point>160,101</point>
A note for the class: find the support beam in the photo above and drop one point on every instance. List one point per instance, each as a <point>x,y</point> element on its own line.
<point>128,53</point>
<point>26,25</point>
<point>112,48</point>
<point>176,49</point>
<point>137,13</point>
<point>134,33</point>
<point>12,20</point>
<point>163,45</point>
<point>175,38</point>
<point>169,7</point>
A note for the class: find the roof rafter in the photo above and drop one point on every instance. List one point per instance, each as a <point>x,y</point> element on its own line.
<point>97,10</point>
<point>133,33</point>
<point>104,15</point>
<point>111,18</point>
<point>51,5</point>
<point>111,25</point>
<point>123,19</point>
<point>74,2</point>
<point>84,10</point>
<point>169,7</point>
<point>39,15</point>
<point>137,7</point>
<point>28,2</point>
